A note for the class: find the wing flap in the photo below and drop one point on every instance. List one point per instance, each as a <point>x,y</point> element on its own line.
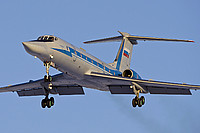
<point>70,90</point>
<point>31,92</point>
<point>169,91</point>
<point>120,89</point>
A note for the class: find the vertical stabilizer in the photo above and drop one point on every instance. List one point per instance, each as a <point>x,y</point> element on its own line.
<point>123,58</point>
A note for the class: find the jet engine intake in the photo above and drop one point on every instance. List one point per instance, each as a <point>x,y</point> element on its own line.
<point>128,73</point>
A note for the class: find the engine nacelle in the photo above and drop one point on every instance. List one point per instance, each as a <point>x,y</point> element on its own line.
<point>130,74</point>
<point>127,73</point>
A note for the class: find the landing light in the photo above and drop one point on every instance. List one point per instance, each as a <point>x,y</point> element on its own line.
<point>51,56</point>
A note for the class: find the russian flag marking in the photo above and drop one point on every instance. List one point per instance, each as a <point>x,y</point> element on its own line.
<point>126,54</point>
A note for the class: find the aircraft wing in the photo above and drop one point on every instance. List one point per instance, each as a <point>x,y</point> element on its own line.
<point>121,85</point>
<point>61,84</point>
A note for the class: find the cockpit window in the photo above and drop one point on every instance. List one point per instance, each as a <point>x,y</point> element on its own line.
<point>39,38</point>
<point>47,38</point>
<point>51,39</point>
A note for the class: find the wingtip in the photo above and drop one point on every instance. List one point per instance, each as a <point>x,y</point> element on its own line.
<point>191,41</point>
<point>85,42</point>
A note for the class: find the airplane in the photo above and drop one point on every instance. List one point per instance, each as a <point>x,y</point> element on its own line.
<point>80,69</point>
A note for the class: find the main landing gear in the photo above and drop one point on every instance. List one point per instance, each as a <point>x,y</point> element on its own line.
<point>46,102</point>
<point>137,101</point>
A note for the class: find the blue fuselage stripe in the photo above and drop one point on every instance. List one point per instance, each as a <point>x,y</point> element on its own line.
<point>69,53</point>
<point>120,56</point>
<point>98,65</point>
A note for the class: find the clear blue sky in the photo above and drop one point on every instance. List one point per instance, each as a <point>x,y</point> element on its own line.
<point>100,112</point>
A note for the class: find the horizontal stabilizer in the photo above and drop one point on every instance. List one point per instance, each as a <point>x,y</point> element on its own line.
<point>110,39</point>
<point>156,39</point>
<point>133,39</point>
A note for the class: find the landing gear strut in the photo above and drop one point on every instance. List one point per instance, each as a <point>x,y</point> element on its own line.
<point>47,78</point>
<point>137,101</point>
<point>46,102</point>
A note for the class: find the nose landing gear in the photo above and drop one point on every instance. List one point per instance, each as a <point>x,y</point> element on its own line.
<point>47,78</point>
<point>46,102</point>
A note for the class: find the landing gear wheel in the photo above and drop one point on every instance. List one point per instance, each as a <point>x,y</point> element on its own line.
<point>52,101</point>
<point>47,79</point>
<point>49,103</point>
<point>136,100</point>
<point>50,78</point>
<point>44,103</point>
<point>139,102</point>
<point>134,103</point>
<point>143,100</point>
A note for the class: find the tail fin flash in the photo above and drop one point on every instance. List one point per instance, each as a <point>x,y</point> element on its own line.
<point>123,58</point>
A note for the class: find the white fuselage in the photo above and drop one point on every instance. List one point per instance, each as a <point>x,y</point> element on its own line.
<point>70,60</point>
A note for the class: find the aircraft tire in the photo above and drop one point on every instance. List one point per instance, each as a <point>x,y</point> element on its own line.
<point>134,103</point>
<point>49,103</point>
<point>44,103</point>
<point>52,101</point>
<point>45,78</point>
<point>143,100</point>
<point>50,78</point>
<point>140,102</point>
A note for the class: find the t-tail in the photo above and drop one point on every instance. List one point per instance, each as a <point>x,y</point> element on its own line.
<point>123,58</point>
